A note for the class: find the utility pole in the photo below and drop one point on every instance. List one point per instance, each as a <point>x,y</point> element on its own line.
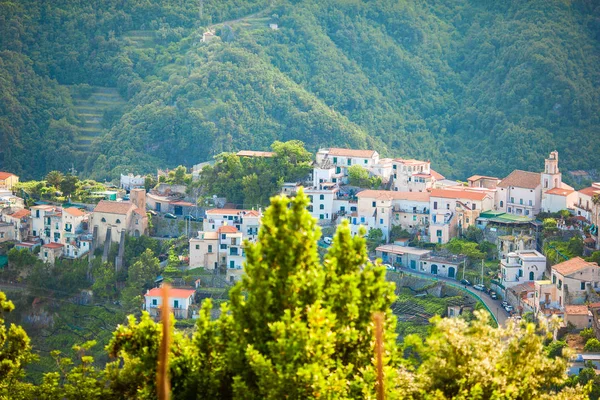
<point>482,271</point>
<point>464,267</point>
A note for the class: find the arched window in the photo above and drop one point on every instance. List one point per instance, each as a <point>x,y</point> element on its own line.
<point>118,221</point>
<point>531,276</point>
<point>103,219</point>
<point>501,203</point>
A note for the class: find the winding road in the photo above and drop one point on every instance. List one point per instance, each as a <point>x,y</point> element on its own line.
<point>493,306</point>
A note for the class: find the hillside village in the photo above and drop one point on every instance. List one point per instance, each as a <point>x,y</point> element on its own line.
<point>390,196</point>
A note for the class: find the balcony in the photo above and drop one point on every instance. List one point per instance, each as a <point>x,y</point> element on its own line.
<point>411,210</point>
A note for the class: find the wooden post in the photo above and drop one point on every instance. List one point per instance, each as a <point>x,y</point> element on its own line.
<point>162,376</point>
<point>378,320</point>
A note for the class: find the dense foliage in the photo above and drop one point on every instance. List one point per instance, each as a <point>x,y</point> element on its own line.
<point>301,328</point>
<point>478,86</point>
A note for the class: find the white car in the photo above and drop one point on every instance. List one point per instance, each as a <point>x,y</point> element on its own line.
<point>479,287</point>
<point>389,267</point>
<point>327,240</point>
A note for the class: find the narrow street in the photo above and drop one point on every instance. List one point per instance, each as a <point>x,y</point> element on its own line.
<point>494,306</point>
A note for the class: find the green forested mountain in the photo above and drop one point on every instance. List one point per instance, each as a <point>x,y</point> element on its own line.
<point>476,86</point>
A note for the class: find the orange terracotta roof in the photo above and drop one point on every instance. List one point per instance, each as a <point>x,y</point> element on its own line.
<point>391,195</point>
<point>560,191</point>
<point>21,214</point>
<point>573,265</point>
<point>227,229</point>
<point>140,212</point>
<point>173,293</point>
<point>576,310</point>
<point>76,212</point>
<point>436,175</point>
<point>182,203</point>
<point>53,246</point>
<point>210,235</point>
<point>224,211</point>
<point>5,175</point>
<point>590,191</point>
<point>409,161</point>
<point>114,207</point>
<point>336,151</point>
<point>458,194</point>
<point>252,213</point>
<point>521,179</point>
<point>478,177</point>
<point>253,153</point>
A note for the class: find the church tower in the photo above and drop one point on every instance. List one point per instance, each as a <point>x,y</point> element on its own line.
<point>551,177</point>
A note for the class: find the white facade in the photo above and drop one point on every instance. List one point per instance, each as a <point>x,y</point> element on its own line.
<point>522,266</point>
<point>557,199</point>
<point>131,181</point>
<point>413,175</point>
<point>180,301</point>
<point>246,221</point>
<point>321,200</point>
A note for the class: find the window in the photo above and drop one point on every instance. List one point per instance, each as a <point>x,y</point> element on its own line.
<point>231,264</point>
<point>210,248</point>
<point>223,236</point>
<point>175,303</point>
<point>509,209</point>
<point>394,167</point>
<point>349,161</point>
<point>467,220</point>
<point>474,206</point>
<point>322,197</point>
<point>554,279</point>
<point>520,273</point>
<point>352,208</point>
<point>233,251</point>
<point>37,213</point>
<point>381,221</point>
<point>439,233</point>
<point>223,247</point>
<point>197,247</point>
<point>582,285</point>
<point>154,302</point>
<point>118,221</point>
<point>362,220</point>
<point>310,198</point>
<point>365,161</point>
<point>321,216</point>
<point>335,160</point>
<point>435,205</point>
<point>414,217</point>
<point>559,284</point>
<point>321,206</point>
<point>374,204</point>
<point>526,212</point>
<point>512,199</point>
<point>520,201</point>
<point>343,208</point>
<point>103,219</point>
<point>501,203</point>
<point>338,170</point>
<point>448,206</point>
<point>1,235</point>
<point>530,202</point>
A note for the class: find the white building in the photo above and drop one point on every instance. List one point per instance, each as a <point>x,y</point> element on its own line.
<point>382,209</point>
<point>413,175</point>
<point>455,209</point>
<point>522,266</point>
<point>342,159</point>
<point>131,181</point>
<point>321,201</point>
<point>180,301</point>
<point>223,249</point>
<point>584,205</point>
<point>246,221</point>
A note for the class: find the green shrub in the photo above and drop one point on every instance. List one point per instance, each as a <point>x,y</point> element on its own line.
<point>592,345</point>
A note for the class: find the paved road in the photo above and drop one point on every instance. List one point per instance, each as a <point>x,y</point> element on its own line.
<point>493,305</point>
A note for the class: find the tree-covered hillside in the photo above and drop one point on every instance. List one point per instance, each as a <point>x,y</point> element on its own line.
<point>475,86</point>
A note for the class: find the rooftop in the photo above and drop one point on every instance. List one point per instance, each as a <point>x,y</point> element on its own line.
<point>253,153</point>
<point>573,265</point>
<point>173,293</point>
<point>437,176</point>
<point>458,194</point>
<point>76,212</point>
<point>560,191</point>
<point>577,310</point>
<point>478,177</point>
<point>224,211</point>
<point>521,179</point>
<point>53,246</point>
<point>113,207</point>
<point>5,175</point>
<point>391,195</point>
<point>21,214</point>
<point>394,249</point>
<point>336,151</point>
<point>227,229</point>
<point>590,191</point>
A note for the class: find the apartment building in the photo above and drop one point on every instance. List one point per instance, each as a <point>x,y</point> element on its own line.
<point>222,250</point>
<point>522,266</point>
<point>245,221</point>
<point>413,175</point>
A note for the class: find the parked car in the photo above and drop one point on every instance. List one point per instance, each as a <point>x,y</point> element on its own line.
<point>508,308</point>
<point>494,296</point>
<point>152,212</point>
<point>479,286</point>
<point>465,282</point>
<point>504,303</point>
<point>170,216</point>
<point>327,240</point>
<point>190,218</point>
<point>389,267</point>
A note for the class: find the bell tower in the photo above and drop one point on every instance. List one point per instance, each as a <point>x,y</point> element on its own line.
<point>551,177</point>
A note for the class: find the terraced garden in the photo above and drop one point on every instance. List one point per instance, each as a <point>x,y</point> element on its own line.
<point>90,109</point>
